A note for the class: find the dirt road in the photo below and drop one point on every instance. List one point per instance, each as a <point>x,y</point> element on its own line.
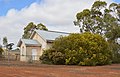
<point>60,71</point>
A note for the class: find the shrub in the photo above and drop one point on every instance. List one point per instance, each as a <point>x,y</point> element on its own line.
<point>52,57</point>
<point>80,49</point>
<point>1,50</point>
<point>58,58</point>
<point>115,51</point>
<point>45,57</point>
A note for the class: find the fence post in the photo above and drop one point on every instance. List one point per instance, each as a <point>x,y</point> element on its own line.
<point>8,58</point>
<point>9,47</point>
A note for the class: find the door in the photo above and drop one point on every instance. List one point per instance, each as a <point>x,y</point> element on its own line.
<point>34,54</point>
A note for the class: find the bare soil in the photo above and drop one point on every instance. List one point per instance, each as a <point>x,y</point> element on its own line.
<point>60,71</point>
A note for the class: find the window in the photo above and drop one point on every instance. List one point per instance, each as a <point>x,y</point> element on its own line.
<point>23,50</point>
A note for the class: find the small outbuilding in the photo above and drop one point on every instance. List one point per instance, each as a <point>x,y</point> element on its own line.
<point>29,49</point>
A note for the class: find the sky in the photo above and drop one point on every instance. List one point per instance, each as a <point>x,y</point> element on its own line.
<point>118,1</point>
<point>57,15</point>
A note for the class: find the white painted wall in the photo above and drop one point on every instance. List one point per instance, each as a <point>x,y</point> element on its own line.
<point>22,52</point>
<point>41,41</point>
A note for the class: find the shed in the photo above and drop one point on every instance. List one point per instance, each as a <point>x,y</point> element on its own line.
<point>30,49</point>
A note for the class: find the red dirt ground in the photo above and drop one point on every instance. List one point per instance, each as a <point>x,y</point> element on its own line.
<point>60,71</point>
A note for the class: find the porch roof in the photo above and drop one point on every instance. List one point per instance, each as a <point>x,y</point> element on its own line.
<point>29,42</point>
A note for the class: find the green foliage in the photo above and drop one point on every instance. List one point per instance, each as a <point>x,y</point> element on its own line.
<point>45,57</point>
<point>50,56</point>
<point>1,50</point>
<point>92,50</point>
<point>72,57</point>
<point>92,20</point>
<point>115,51</point>
<point>79,49</point>
<point>5,41</point>
<point>41,27</point>
<point>31,27</point>
<point>58,58</point>
<point>102,20</point>
<point>98,5</point>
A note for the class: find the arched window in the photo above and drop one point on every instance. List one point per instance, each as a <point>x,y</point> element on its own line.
<point>23,50</point>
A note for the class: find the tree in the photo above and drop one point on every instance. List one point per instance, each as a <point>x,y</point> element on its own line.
<point>5,41</point>
<point>102,20</point>
<point>91,20</point>
<point>41,27</point>
<point>115,9</point>
<point>98,19</point>
<point>31,27</point>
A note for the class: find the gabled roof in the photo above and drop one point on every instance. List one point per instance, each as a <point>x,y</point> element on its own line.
<point>50,35</point>
<point>29,42</point>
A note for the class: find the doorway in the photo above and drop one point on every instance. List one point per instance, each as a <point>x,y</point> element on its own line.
<point>34,54</point>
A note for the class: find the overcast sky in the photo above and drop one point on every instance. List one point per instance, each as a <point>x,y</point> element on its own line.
<point>55,14</point>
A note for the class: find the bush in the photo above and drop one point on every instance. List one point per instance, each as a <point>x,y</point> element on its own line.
<point>116,56</point>
<point>72,57</point>
<point>1,50</point>
<point>79,49</point>
<point>45,57</point>
<point>52,57</point>
<point>58,58</point>
<point>115,47</point>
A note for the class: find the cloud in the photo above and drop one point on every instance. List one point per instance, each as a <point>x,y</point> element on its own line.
<point>55,14</point>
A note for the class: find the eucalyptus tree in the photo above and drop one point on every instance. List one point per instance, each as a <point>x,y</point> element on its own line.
<point>91,20</point>
<point>31,27</point>
<point>5,41</point>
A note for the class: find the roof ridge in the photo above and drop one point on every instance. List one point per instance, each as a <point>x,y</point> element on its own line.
<point>27,39</point>
<point>56,31</point>
<point>50,35</point>
<point>59,32</point>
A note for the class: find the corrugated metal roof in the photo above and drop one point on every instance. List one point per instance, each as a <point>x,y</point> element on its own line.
<point>50,35</point>
<point>31,42</point>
